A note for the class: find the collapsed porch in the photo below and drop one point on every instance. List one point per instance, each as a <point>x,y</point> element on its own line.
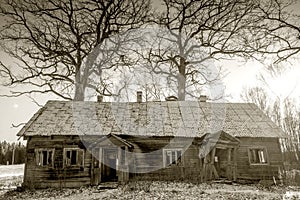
<point>114,159</point>
<point>218,156</point>
<point>110,159</point>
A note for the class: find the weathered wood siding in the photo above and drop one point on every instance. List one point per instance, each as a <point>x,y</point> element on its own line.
<point>148,157</point>
<point>145,156</point>
<point>56,176</point>
<point>260,171</point>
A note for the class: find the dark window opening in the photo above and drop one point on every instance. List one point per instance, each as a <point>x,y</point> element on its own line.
<point>258,156</point>
<point>73,157</point>
<point>172,157</point>
<point>44,157</point>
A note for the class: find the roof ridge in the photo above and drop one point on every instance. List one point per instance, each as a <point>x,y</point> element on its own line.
<point>68,101</point>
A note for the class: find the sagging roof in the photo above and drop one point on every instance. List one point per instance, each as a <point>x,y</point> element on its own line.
<point>169,118</point>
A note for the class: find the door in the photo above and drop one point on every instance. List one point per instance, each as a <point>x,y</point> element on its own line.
<point>221,162</point>
<point>225,163</point>
<point>109,165</point>
<point>96,167</point>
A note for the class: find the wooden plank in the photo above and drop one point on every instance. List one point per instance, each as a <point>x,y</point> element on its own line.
<point>235,164</point>
<point>100,163</point>
<point>228,168</point>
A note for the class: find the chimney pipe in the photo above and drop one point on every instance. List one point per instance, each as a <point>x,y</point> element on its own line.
<point>203,98</point>
<point>139,95</point>
<point>100,98</point>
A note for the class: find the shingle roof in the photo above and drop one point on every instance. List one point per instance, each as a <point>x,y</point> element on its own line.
<point>169,118</point>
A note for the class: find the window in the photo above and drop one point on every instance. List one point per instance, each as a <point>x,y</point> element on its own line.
<point>73,157</point>
<point>172,157</point>
<point>258,155</point>
<point>44,157</point>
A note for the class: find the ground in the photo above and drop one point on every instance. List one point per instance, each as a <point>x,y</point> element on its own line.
<point>10,178</point>
<point>159,190</point>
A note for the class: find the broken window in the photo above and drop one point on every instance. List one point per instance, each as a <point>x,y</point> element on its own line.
<point>172,157</point>
<point>44,157</point>
<point>258,156</point>
<point>73,157</point>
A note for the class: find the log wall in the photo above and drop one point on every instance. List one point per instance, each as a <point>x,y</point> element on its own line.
<point>145,161</point>
<point>148,159</point>
<point>246,170</point>
<point>56,175</point>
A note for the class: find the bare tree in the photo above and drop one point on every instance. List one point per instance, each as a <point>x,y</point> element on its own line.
<point>194,34</point>
<point>291,125</point>
<point>284,113</point>
<point>53,42</point>
<point>258,96</point>
<point>280,30</point>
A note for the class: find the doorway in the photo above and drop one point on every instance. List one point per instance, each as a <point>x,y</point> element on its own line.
<point>221,162</point>
<point>225,163</point>
<point>109,165</point>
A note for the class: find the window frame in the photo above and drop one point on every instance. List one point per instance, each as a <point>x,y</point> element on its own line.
<point>65,164</point>
<point>265,155</point>
<point>177,162</point>
<point>39,157</point>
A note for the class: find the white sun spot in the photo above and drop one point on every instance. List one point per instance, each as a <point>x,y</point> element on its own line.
<point>16,105</point>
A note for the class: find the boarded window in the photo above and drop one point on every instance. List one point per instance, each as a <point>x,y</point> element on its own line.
<point>172,157</point>
<point>44,157</point>
<point>73,157</point>
<point>258,156</point>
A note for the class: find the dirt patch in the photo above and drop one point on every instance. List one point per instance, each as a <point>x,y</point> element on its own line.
<point>159,190</point>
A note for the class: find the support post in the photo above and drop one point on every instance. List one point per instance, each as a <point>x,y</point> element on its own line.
<point>213,170</point>
<point>234,164</point>
<point>229,166</point>
<point>100,163</point>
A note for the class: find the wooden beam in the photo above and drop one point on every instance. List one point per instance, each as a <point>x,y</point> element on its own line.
<point>212,164</point>
<point>204,169</point>
<point>100,163</point>
<point>229,166</point>
<point>234,164</point>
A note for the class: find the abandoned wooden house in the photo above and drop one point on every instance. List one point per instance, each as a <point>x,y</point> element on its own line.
<point>71,144</point>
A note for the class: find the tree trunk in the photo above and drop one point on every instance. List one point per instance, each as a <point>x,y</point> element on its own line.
<point>79,92</point>
<point>181,87</point>
<point>181,80</point>
<point>79,88</point>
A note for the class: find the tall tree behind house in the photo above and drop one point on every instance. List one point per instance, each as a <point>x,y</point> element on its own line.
<point>53,42</point>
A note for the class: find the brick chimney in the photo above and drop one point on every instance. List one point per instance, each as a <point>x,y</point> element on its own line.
<point>139,96</point>
<point>203,98</point>
<point>100,98</point>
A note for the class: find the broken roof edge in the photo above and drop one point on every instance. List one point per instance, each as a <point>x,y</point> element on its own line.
<point>29,123</point>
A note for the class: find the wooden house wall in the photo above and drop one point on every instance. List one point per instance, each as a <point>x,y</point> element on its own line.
<point>259,171</point>
<point>148,158</point>
<point>56,176</point>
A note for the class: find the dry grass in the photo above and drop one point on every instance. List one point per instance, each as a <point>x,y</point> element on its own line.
<point>160,190</point>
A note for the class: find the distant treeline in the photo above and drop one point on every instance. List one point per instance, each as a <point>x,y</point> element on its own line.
<point>10,151</point>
